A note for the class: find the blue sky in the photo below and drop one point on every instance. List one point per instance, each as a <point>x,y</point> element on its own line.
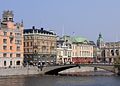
<point>85,18</point>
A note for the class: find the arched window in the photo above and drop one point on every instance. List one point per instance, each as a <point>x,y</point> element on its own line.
<point>18,63</point>
<point>10,62</point>
<point>103,53</point>
<point>4,63</point>
<point>117,52</point>
<point>112,52</point>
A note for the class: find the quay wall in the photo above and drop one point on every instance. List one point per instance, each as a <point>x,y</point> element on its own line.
<point>35,70</point>
<point>20,71</point>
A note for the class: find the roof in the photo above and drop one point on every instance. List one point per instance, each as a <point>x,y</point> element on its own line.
<point>79,39</point>
<point>35,30</point>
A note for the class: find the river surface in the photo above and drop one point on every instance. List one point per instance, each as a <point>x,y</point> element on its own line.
<point>39,80</point>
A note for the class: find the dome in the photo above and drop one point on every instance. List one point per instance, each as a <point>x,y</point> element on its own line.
<point>79,39</point>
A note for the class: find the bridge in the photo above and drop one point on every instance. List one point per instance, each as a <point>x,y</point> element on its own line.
<point>55,69</point>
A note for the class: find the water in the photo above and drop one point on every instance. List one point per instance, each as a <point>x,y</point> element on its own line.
<point>38,80</point>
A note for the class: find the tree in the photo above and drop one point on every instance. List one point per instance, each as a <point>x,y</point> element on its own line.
<point>117,64</point>
<point>117,61</point>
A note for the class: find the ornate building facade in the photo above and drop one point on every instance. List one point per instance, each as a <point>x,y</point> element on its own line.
<point>11,44</point>
<point>107,51</point>
<point>64,50</point>
<point>111,51</point>
<point>75,50</point>
<point>82,50</point>
<point>100,49</point>
<point>39,45</point>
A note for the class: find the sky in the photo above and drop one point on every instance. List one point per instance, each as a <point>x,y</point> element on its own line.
<point>85,18</point>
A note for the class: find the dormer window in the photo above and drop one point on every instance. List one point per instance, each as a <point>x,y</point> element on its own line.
<point>11,19</point>
<point>11,33</point>
<point>5,33</point>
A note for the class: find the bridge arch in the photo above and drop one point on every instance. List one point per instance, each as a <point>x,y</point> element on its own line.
<point>57,70</point>
<point>54,70</point>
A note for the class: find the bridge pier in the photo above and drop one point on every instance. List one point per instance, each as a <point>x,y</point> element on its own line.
<point>117,71</point>
<point>95,68</point>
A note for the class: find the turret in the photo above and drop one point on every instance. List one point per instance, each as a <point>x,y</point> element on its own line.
<point>100,42</point>
<point>7,16</point>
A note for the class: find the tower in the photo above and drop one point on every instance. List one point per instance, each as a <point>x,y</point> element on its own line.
<point>7,16</point>
<point>100,42</point>
<point>7,20</point>
<point>11,36</point>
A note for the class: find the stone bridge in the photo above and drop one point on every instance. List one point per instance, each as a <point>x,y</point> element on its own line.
<point>54,70</point>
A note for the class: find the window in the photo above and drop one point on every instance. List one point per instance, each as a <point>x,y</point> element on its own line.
<point>27,43</point>
<point>10,47</point>
<point>11,33</point>
<point>4,47</point>
<point>10,62</point>
<point>18,48</point>
<point>17,55</point>
<point>5,33</point>
<point>4,54</point>
<point>31,43</point>
<point>4,63</point>
<point>11,41</point>
<point>24,44</point>
<point>5,41</point>
<point>11,19</point>
<point>18,63</point>
<point>112,52</point>
<point>18,41</point>
<point>11,55</point>
<point>117,52</point>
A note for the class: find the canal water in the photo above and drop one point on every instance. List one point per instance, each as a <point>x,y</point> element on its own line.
<point>39,80</point>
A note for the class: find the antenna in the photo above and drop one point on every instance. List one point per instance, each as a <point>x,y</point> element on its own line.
<point>63,30</point>
<point>116,38</point>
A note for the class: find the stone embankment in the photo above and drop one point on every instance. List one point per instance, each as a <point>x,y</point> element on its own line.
<point>85,71</point>
<point>35,70</point>
<point>19,71</point>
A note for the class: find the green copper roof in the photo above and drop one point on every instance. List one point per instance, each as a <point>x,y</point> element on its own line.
<point>79,39</point>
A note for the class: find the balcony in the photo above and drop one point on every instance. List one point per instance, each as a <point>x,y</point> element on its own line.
<point>11,37</point>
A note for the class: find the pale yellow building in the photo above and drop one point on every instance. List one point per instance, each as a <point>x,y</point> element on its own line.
<point>39,46</point>
<point>64,51</point>
<point>82,50</point>
<point>11,44</point>
<point>74,50</point>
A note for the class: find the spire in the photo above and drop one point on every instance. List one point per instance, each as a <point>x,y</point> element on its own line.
<point>100,35</point>
<point>22,22</point>
<point>100,41</point>
<point>63,30</point>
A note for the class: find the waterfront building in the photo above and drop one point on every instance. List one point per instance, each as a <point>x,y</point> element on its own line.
<point>82,50</point>
<point>94,50</point>
<point>64,50</point>
<point>107,51</point>
<point>111,51</point>
<point>75,50</point>
<point>39,45</point>
<point>100,49</point>
<point>11,44</point>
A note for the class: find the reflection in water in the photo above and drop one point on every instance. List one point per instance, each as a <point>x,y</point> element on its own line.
<point>38,80</point>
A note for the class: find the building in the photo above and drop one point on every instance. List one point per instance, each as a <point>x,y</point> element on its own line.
<point>94,50</point>
<point>107,51</point>
<point>82,50</point>
<point>100,49</point>
<point>75,50</point>
<point>64,50</point>
<point>11,44</point>
<point>39,46</point>
<point>111,51</point>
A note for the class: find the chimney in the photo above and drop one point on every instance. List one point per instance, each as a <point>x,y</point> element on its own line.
<point>42,29</point>
<point>33,27</point>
